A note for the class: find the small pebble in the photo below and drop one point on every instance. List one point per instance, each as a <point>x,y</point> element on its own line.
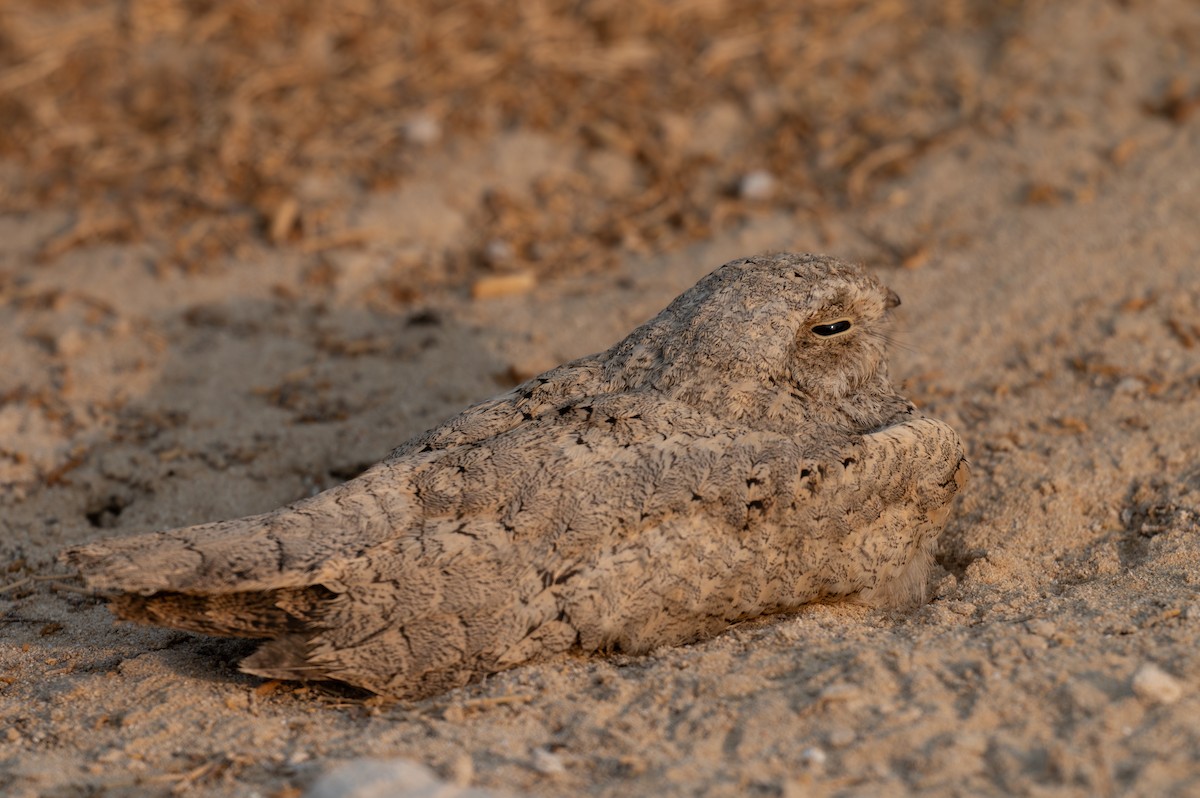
<point>498,252</point>
<point>423,129</point>
<point>547,763</point>
<point>1151,683</point>
<point>757,185</point>
<point>373,778</point>
<point>1130,386</point>
<point>842,737</point>
<point>839,692</point>
<point>813,757</point>
<point>1041,627</point>
<point>388,778</point>
<point>462,770</point>
<point>70,343</point>
<point>964,608</point>
<point>110,756</point>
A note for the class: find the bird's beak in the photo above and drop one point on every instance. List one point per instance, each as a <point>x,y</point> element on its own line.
<point>893,299</point>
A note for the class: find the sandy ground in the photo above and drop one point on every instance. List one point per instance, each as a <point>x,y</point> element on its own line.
<point>1048,255</point>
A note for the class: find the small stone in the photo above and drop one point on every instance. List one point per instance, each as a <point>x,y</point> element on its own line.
<point>842,737</point>
<point>1041,627</point>
<point>383,778</point>
<point>757,185</point>
<point>423,129</point>
<point>70,343</point>
<point>462,770</point>
<point>1151,683</point>
<point>813,757</point>
<point>547,763</point>
<point>110,756</point>
<point>1032,645</point>
<point>1130,386</point>
<point>498,252</point>
<point>946,587</point>
<point>839,692</point>
<point>964,608</point>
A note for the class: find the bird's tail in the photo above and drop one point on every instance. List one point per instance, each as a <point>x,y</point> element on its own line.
<point>261,614</point>
<point>299,545</point>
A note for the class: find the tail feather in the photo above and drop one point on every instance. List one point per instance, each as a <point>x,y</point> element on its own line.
<point>299,545</point>
<point>287,657</point>
<point>249,614</point>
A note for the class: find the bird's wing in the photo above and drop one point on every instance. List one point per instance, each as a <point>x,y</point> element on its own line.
<point>501,490</point>
<point>304,542</point>
<point>505,412</point>
<point>732,524</point>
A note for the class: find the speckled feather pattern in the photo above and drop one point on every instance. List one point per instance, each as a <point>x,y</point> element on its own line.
<point>721,462</point>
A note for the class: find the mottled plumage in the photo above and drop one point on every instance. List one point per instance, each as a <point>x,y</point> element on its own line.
<point>741,453</point>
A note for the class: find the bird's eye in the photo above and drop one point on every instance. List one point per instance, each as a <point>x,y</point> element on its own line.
<point>832,328</point>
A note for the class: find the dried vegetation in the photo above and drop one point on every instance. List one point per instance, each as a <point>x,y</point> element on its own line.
<point>210,128</point>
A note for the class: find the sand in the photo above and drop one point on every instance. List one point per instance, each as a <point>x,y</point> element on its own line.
<point>1047,252</point>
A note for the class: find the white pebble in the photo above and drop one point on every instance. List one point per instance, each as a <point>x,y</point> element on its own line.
<point>813,757</point>
<point>757,185</point>
<point>1152,683</point>
<point>842,737</point>
<point>1130,386</point>
<point>373,778</point>
<point>547,763</point>
<point>423,129</point>
<point>389,778</point>
<point>839,691</point>
<point>497,252</point>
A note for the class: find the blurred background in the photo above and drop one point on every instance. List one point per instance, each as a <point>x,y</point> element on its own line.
<point>208,128</point>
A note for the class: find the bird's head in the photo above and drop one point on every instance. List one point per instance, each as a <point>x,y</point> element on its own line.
<point>806,326</point>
